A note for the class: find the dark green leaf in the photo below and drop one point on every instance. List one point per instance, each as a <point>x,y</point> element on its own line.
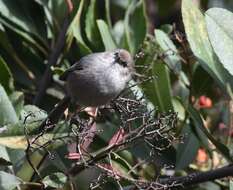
<point>219,26</point>
<point>6,78</point>
<point>91,27</point>
<point>162,87</point>
<point>185,154</point>
<point>6,45</point>
<point>74,32</point>
<point>167,28</point>
<point>135,25</point>
<point>158,90</point>
<point>21,13</point>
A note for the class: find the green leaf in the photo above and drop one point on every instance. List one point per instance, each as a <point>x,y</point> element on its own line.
<point>231,184</point>
<point>8,181</point>
<point>31,113</point>
<point>108,13</point>
<point>185,154</point>
<point>178,108</point>
<point>74,32</point>
<point>165,7</point>
<point>135,25</point>
<point>118,33</point>
<point>23,14</point>
<point>106,35</point>
<point>162,87</point>
<point>198,39</point>
<point>167,28</point>
<point>6,78</point>
<point>26,172</point>
<point>209,185</point>
<point>171,54</point>
<point>219,26</point>
<point>17,100</point>
<point>56,180</point>
<point>57,70</point>
<point>158,90</point>
<point>27,20</point>
<point>91,27</point>
<point>7,113</point>
<point>5,43</point>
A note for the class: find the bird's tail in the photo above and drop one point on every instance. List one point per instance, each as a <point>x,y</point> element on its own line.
<point>55,114</point>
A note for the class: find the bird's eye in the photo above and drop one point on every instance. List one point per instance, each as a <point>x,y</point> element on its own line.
<point>119,60</point>
<point>123,63</point>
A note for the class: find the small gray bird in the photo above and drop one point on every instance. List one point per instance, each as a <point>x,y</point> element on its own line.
<point>94,81</point>
<point>99,77</point>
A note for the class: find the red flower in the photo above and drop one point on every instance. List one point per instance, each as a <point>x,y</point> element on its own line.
<point>205,102</point>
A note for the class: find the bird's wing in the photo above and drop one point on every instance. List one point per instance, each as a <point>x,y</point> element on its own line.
<point>84,62</point>
<point>76,66</point>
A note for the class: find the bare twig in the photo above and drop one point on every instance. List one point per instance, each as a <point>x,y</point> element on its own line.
<point>47,77</point>
<point>200,177</point>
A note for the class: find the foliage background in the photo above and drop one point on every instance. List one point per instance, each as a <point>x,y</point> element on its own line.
<point>192,61</point>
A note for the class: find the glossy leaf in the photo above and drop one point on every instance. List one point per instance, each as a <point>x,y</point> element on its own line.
<point>219,26</point>
<point>198,39</point>
<point>74,32</point>
<point>6,78</point>
<point>186,151</point>
<point>158,89</point>
<point>91,27</point>
<point>162,87</point>
<point>26,19</point>
<point>135,25</point>
<point>7,113</point>
<point>170,52</point>
<point>22,13</point>
<point>6,45</point>
<point>106,35</point>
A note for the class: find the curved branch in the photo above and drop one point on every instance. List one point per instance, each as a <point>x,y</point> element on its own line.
<point>199,177</point>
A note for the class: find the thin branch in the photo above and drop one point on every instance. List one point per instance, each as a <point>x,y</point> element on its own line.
<point>200,177</point>
<point>47,77</point>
